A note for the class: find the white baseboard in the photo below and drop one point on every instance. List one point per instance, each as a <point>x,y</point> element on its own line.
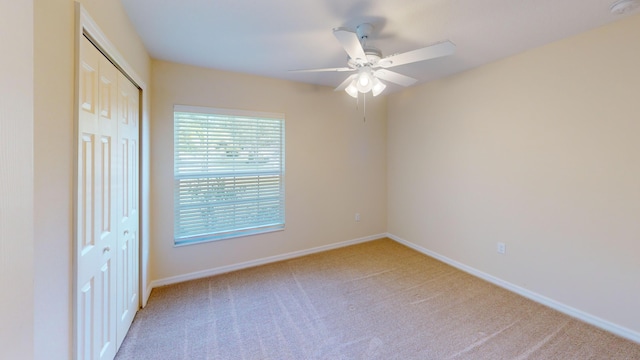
<point>147,293</point>
<point>563,308</point>
<point>252,263</point>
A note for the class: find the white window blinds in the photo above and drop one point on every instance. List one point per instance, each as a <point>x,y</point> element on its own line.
<point>228,173</point>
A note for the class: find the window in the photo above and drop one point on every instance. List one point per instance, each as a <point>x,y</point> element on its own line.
<point>228,173</point>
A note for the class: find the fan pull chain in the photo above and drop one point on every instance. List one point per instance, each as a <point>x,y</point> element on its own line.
<point>364,107</point>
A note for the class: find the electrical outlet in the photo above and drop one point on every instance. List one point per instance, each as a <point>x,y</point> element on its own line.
<point>357,217</point>
<point>502,248</point>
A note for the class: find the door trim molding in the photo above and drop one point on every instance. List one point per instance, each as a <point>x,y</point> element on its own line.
<point>86,26</point>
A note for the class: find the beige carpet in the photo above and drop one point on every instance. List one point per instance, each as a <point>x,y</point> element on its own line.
<point>377,300</point>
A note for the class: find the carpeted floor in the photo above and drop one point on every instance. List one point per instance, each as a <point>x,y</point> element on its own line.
<point>377,300</point>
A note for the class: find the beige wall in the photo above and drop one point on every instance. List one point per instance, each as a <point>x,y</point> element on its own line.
<point>16,180</point>
<point>540,151</point>
<point>335,165</point>
<point>53,152</point>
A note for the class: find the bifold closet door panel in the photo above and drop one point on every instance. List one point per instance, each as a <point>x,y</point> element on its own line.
<point>96,221</point>
<point>128,130</point>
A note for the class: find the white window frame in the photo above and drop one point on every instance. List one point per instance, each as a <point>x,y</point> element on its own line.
<point>197,220</point>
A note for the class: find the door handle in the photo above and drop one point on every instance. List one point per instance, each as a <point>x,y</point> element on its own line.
<point>106,249</point>
<point>126,232</point>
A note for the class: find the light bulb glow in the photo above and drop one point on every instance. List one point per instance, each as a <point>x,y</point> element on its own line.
<point>378,86</point>
<point>352,90</point>
<point>365,80</point>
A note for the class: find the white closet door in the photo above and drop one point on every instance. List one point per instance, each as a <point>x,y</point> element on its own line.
<point>107,220</point>
<point>96,219</point>
<point>128,126</point>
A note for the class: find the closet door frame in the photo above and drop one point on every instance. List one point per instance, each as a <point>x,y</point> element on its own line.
<point>87,27</point>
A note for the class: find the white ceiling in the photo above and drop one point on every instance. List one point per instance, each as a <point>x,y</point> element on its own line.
<point>269,37</point>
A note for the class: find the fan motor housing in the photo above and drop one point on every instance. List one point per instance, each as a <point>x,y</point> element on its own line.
<point>373,55</point>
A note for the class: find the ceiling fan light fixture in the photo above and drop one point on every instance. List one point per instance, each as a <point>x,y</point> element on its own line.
<point>365,80</point>
<point>352,89</point>
<point>378,86</point>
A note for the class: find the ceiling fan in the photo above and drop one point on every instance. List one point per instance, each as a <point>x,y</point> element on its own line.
<point>369,65</point>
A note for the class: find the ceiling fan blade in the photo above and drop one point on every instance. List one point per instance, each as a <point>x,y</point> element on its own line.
<point>430,52</point>
<point>394,77</point>
<point>351,44</point>
<point>340,69</point>
<point>345,83</point>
